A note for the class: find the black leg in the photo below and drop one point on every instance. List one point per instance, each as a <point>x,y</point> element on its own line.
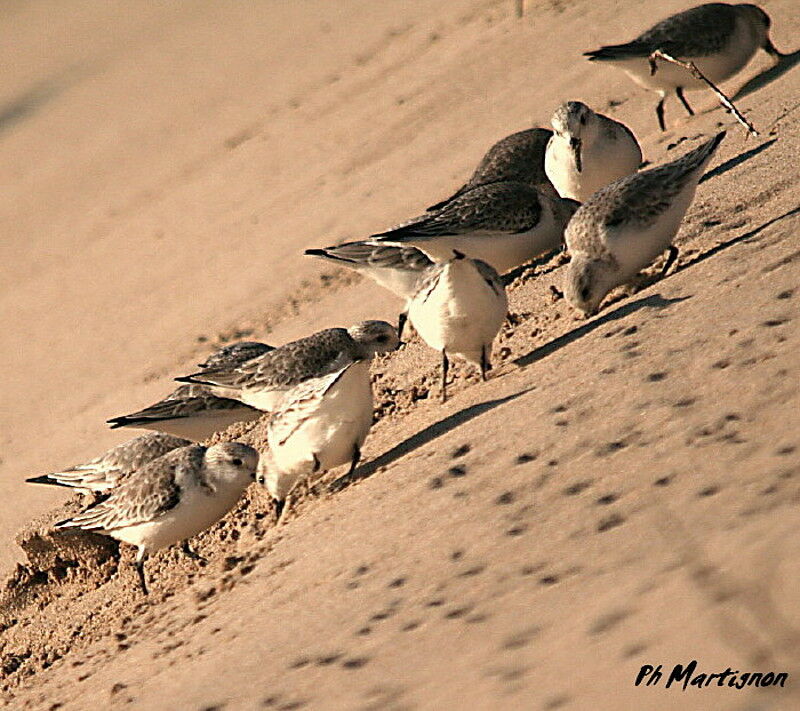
<point>317,464</point>
<point>190,552</point>
<point>660,114</point>
<point>445,368</point>
<point>679,93</point>
<point>140,570</point>
<point>354,461</point>
<point>279,504</point>
<point>401,322</point>
<point>671,257</point>
<point>485,362</point>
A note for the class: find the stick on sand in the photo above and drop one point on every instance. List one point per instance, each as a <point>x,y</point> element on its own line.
<point>697,74</point>
<point>520,6</point>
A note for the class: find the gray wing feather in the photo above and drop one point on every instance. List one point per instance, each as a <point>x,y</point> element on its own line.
<point>518,157</point>
<point>177,407</point>
<point>697,32</point>
<point>285,366</point>
<point>498,207</point>
<point>374,254</point>
<point>235,354</point>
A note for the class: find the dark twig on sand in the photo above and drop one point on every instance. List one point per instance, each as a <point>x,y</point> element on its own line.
<point>697,74</point>
<point>520,7</point>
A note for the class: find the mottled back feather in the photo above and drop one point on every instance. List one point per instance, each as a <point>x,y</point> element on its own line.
<point>288,365</point>
<point>518,157</point>
<point>696,32</point>
<point>509,207</point>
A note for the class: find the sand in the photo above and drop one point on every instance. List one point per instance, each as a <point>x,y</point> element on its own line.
<point>622,492</point>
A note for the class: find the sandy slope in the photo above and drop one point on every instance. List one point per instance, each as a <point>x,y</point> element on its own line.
<point>629,494</point>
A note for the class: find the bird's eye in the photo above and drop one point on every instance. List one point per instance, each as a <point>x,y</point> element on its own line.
<point>382,339</point>
<point>237,462</point>
<point>585,292</point>
<point>583,119</point>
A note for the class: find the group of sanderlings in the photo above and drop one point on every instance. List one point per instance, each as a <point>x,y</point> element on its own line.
<point>534,192</point>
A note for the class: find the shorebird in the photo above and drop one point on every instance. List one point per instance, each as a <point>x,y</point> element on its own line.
<point>505,224</point>
<point>623,227</point>
<point>588,151</point>
<point>318,425</point>
<point>719,38</point>
<point>106,471</point>
<point>171,499</point>
<point>192,411</point>
<point>458,309</point>
<point>262,382</point>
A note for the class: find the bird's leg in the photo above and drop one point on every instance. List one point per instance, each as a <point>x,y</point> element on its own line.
<point>679,94</point>
<point>401,322</point>
<point>671,257</point>
<point>445,367</point>
<point>280,505</point>
<point>486,365</point>
<point>660,114</point>
<point>140,570</point>
<point>191,552</point>
<point>283,505</point>
<point>354,461</point>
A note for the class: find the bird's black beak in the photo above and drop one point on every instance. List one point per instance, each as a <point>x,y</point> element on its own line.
<point>575,145</point>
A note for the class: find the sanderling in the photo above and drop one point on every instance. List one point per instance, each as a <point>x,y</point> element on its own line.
<point>261,382</point>
<point>190,411</point>
<point>108,470</point>
<point>518,157</point>
<point>318,425</point>
<point>588,151</point>
<point>395,268</point>
<point>719,38</point>
<point>458,310</point>
<point>623,227</point>
<point>505,224</point>
<point>171,499</point>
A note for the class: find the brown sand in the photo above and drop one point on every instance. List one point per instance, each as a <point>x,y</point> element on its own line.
<point>623,492</point>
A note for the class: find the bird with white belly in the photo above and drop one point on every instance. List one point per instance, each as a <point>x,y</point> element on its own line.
<point>458,310</point>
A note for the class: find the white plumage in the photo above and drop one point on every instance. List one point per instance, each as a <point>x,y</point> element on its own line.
<point>458,310</point>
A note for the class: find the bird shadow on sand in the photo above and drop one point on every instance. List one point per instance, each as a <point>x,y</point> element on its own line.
<point>736,240</point>
<point>421,438</point>
<point>654,301</point>
<point>27,104</point>
<point>787,62</point>
<point>731,163</point>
